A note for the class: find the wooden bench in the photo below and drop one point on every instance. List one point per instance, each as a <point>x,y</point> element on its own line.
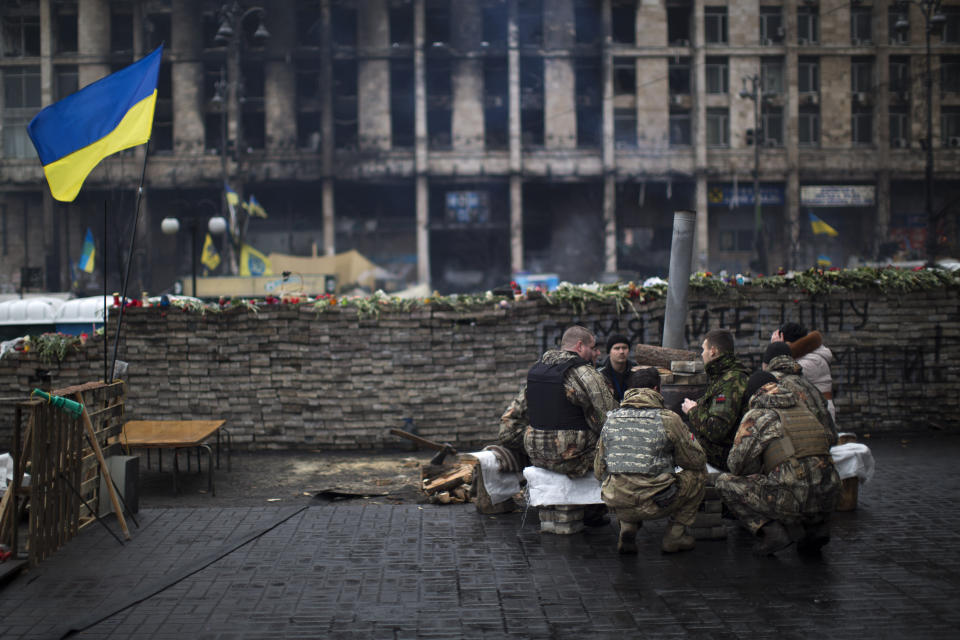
<point>177,434</point>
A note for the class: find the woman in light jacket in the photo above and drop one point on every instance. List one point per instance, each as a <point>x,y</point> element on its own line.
<point>815,358</point>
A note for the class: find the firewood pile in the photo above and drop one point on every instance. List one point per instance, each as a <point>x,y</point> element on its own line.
<point>450,482</point>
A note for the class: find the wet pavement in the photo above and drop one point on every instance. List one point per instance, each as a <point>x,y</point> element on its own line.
<point>353,570</point>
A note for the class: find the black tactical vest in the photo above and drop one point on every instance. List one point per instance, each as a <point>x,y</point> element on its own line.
<point>547,403</point>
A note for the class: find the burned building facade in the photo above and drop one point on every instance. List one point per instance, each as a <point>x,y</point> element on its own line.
<point>455,142</point>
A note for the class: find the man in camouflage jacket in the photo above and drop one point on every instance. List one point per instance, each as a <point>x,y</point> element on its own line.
<point>789,374</point>
<point>640,446</point>
<point>583,399</point>
<point>782,477</point>
<point>714,418</point>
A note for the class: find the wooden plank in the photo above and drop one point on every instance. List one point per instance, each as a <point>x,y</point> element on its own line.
<point>105,471</point>
<point>101,415</point>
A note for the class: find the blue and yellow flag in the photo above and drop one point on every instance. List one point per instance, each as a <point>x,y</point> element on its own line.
<point>114,113</point>
<point>85,263</point>
<point>209,256</point>
<point>254,263</point>
<point>819,226</point>
<point>254,208</point>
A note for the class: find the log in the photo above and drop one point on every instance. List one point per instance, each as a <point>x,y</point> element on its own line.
<point>460,475</point>
<point>651,356</point>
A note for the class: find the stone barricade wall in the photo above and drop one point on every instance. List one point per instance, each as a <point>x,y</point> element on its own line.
<point>288,377</point>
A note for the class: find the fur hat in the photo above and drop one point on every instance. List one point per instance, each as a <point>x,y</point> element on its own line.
<point>775,349</point>
<point>617,338</point>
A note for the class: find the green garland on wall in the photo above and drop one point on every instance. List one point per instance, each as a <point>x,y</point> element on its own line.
<point>626,296</point>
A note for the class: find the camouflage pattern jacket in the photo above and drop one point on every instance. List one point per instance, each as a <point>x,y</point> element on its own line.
<point>715,418</point>
<point>681,449</point>
<point>811,483</point>
<point>565,451</point>
<point>789,375</point>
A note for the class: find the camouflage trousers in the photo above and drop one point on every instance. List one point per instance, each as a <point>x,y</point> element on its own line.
<point>628,506</point>
<point>798,493</point>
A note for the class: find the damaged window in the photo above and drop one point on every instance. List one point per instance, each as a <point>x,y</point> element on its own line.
<point>343,26</point>
<point>439,103</point>
<point>624,22</point>
<point>21,34</point>
<point>65,27</point>
<point>345,104</point>
<point>495,24</point>
<point>495,111</point>
<point>625,128</point>
<point>679,76</point>
<point>679,127</point>
<point>401,103</point>
<point>678,26</point>
<point>437,22</point>
<point>121,30</point>
<point>161,139</point>
<point>586,16</point>
<point>624,76</point>
<point>530,22</point>
<point>531,101</point>
<point>588,95</point>
<point>401,24</point>
<point>309,105</point>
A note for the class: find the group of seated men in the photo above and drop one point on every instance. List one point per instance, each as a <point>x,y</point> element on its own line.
<point>769,434</point>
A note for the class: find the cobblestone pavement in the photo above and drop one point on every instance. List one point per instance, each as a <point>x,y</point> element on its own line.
<point>353,570</point>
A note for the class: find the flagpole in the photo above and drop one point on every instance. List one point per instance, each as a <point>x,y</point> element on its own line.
<point>106,351</point>
<point>126,277</point>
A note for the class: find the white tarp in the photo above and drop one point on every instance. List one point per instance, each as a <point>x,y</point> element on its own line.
<point>499,484</point>
<point>853,459</point>
<point>549,487</point>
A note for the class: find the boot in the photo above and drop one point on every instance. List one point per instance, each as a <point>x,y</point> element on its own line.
<point>627,542</point>
<point>595,515</point>
<point>815,536</point>
<point>676,538</point>
<point>773,538</point>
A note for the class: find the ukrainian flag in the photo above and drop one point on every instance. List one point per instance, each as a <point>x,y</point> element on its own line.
<point>85,263</point>
<point>73,135</point>
<point>254,208</point>
<point>819,226</point>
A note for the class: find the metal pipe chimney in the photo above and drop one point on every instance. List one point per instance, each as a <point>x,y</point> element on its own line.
<point>681,257</point>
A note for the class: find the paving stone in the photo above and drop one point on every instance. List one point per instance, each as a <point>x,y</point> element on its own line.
<point>352,571</point>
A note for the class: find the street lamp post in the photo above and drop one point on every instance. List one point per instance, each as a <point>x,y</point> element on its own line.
<point>229,94</point>
<point>215,225</point>
<point>755,93</point>
<point>934,21</point>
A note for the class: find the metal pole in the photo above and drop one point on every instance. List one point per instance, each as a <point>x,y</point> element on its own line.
<point>193,256</point>
<point>931,222</point>
<point>681,256</point>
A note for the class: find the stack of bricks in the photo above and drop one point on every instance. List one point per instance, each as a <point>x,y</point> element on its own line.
<point>291,376</point>
<point>563,519</point>
<point>709,523</point>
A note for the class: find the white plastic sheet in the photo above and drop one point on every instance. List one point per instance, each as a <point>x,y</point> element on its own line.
<point>500,485</point>
<point>6,470</point>
<point>549,487</point>
<point>853,459</point>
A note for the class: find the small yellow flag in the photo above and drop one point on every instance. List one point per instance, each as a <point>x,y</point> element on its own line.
<point>254,263</point>
<point>209,257</point>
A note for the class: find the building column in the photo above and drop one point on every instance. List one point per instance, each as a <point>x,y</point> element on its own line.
<point>559,79</point>
<point>699,107</point>
<point>609,158</point>
<point>701,258</point>
<point>883,195</point>
<point>373,75</point>
<point>516,157</point>
<point>790,236</point>
<point>93,40</point>
<point>422,191</point>
<point>792,211</point>
<point>186,42</point>
<point>326,127</point>
<point>466,20</point>
<point>52,246</point>
<point>280,102</point>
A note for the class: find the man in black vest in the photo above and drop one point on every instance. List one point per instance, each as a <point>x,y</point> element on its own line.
<point>561,409</point>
